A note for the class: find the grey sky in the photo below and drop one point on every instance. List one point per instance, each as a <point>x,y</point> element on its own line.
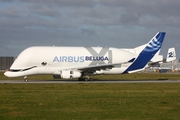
<point>113,23</point>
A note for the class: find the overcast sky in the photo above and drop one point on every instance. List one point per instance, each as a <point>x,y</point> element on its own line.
<point>113,23</point>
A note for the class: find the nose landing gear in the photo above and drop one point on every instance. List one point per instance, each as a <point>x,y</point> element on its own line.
<point>25,78</point>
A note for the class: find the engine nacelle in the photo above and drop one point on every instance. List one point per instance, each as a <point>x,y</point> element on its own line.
<point>68,74</point>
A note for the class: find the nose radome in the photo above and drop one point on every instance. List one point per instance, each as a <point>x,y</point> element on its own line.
<point>9,74</point>
<point>6,74</point>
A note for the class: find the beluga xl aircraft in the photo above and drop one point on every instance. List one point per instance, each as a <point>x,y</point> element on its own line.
<point>79,62</point>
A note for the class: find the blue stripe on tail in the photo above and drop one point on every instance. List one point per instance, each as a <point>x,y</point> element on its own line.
<point>147,53</point>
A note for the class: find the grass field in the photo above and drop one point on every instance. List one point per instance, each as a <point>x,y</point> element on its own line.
<point>90,101</point>
<point>81,101</point>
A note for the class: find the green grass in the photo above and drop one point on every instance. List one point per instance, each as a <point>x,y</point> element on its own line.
<point>90,101</point>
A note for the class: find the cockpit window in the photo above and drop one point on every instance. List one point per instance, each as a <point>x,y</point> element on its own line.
<point>14,70</point>
<point>17,70</point>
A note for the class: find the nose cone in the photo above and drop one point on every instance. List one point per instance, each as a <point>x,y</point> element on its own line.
<point>7,74</point>
<point>11,74</point>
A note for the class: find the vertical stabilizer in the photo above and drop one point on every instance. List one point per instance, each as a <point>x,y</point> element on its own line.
<point>147,52</point>
<point>171,55</point>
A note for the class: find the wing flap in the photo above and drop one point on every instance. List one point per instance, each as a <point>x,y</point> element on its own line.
<point>97,67</point>
<point>102,66</point>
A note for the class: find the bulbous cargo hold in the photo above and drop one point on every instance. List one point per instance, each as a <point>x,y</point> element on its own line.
<point>35,60</point>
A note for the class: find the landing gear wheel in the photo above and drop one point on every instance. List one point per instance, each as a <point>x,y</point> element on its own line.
<point>80,79</point>
<point>25,78</point>
<point>85,79</point>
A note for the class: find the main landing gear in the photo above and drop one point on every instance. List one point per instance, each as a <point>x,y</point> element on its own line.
<point>85,79</point>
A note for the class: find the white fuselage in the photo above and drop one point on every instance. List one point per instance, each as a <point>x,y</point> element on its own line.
<point>49,60</point>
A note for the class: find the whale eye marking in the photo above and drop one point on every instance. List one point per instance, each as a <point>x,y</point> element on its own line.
<point>44,63</point>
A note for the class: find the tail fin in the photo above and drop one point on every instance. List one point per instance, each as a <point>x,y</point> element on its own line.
<point>146,52</point>
<point>171,55</point>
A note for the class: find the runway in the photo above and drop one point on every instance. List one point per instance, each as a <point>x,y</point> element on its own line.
<point>75,81</point>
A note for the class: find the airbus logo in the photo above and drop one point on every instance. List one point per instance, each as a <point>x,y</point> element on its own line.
<point>95,57</point>
<point>79,58</point>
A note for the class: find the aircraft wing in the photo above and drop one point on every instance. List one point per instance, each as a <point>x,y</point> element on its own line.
<point>101,66</point>
<point>97,67</point>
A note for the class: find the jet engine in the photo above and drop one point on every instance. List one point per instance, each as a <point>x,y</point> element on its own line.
<point>68,74</point>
